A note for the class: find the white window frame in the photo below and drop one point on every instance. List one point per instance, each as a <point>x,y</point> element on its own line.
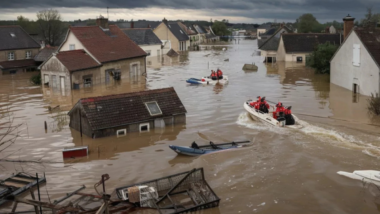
<point>28,54</point>
<point>144,124</point>
<point>121,130</point>
<point>146,104</point>
<point>72,47</point>
<point>11,53</point>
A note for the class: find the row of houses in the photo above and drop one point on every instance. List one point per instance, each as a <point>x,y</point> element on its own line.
<point>355,66</point>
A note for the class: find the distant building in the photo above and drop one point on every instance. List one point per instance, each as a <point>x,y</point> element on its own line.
<point>191,33</point>
<point>356,64</point>
<point>263,29</point>
<point>124,113</point>
<point>296,47</point>
<point>146,40</point>
<point>17,50</point>
<point>201,33</point>
<point>269,47</point>
<point>93,55</point>
<point>172,36</point>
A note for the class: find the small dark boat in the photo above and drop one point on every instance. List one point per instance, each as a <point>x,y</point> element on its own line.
<point>195,150</point>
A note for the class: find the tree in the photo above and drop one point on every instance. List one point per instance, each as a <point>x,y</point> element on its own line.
<point>51,26</point>
<point>220,28</point>
<point>321,56</point>
<point>370,18</point>
<point>307,23</point>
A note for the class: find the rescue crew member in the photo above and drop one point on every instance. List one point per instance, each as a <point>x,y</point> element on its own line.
<point>264,106</point>
<point>213,75</point>
<point>279,113</point>
<point>289,117</point>
<point>220,74</point>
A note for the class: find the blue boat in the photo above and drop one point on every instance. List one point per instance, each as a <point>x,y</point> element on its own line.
<point>195,150</point>
<point>207,81</point>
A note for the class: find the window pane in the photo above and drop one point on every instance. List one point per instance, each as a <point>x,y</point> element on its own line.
<point>153,108</point>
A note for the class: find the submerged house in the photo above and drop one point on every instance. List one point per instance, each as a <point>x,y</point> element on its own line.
<point>296,47</point>
<point>17,50</point>
<point>356,64</point>
<point>172,36</point>
<point>92,55</point>
<point>124,113</point>
<point>145,39</point>
<point>269,47</point>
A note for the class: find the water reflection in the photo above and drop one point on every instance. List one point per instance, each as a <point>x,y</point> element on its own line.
<point>218,88</point>
<point>108,147</point>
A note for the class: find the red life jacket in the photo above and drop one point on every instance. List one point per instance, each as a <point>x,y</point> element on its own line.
<point>213,74</point>
<point>220,73</point>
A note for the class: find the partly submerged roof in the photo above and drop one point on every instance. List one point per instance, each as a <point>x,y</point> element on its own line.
<point>14,64</point>
<point>306,42</point>
<point>14,37</point>
<point>142,36</point>
<point>107,45</point>
<point>123,109</point>
<point>76,60</point>
<point>272,42</point>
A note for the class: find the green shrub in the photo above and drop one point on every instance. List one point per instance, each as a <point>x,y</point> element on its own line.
<point>321,56</point>
<point>36,79</point>
<point>374,104</point>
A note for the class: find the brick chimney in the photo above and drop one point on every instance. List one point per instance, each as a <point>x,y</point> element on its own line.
<point>348,25</point>
<point>102,22</point>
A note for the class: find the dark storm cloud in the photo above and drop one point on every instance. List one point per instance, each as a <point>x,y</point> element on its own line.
<point>270,9</point>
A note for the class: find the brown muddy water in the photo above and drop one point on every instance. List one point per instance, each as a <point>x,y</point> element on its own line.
<point>283,171</point>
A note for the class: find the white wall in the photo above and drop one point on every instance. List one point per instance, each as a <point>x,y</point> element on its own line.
<point>343,73</point>
<point>71,39</point>
<point>152,48</point>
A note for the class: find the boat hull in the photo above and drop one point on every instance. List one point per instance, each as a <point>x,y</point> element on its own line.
<point>371,176</point>
<point>206,149</point>
<point>268,119</point>
<point>208,81</point>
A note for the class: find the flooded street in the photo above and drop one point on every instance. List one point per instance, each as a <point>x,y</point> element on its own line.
<point>283,171</point>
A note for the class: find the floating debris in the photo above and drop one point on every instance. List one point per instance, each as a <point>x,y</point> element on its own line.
<point>250,67</point>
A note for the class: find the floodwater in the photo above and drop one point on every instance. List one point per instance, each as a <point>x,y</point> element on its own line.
<point>282,171</point>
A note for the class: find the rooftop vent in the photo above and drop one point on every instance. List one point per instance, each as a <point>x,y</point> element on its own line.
<point>13,35</point>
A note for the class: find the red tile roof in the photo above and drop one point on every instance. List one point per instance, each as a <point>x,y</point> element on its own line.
<point>76,60</point>
<point>107,46</point>
<point>123,109</point>
<point>17,64</point>
<point>371,40</point>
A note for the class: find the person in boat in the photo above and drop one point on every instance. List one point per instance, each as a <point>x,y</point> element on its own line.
<point>264,106</point>
<point>194,145</point>
<point>219,73</point>
<point>213,145</point>
<point>280,112</point>
<point>213,75</point>
<point>289,119</point>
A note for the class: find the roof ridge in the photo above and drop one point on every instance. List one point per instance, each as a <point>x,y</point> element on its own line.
<point>4,26</point>
<point>131,93</point>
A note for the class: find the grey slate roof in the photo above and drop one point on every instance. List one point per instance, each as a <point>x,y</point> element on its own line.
<point>177,31</point>
<point>21,39</point>
<point>44,54</point>
<point>142,36</point>
<point>138,24</point>
<point>272,42</point>
<point>264,26</point>
<point>199,29</point>
<point>306,42</point>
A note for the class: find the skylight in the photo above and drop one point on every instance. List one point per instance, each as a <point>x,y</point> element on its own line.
<point>13,35</point>
<point>153,108</point>
<point>181,31</point>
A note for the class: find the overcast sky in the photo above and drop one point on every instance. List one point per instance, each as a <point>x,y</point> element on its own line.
<point>248,11</point>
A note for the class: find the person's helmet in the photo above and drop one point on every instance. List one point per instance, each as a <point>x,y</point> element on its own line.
<point>279,104</point>
<point>289,107</point>
<point>262,99</point>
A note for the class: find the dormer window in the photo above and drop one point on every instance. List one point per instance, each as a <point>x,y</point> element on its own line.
<point>11,55</point>
<point>72,47</point>
<point>12,35</point>
<point>181,31</point>
<point>153,108</point>
<point>28,54</point>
